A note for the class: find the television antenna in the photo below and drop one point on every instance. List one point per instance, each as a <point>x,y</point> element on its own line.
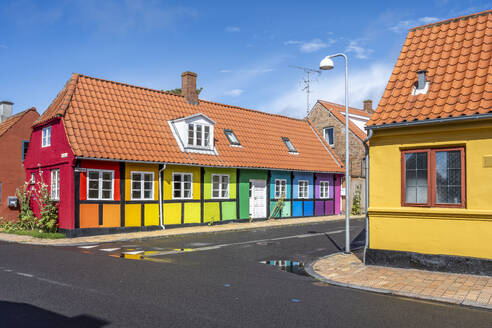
<point>307,82</point>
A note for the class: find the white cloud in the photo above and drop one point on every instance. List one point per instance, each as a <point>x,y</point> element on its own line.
<point>368,83</point>
<point>310,46</point>
<point>359,51</point>
<point>405,25</point>
<point>234,92</point>
<point>232,29</point>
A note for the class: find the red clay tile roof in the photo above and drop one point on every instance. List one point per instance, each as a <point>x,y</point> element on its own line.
<point>12,120</point>
<point>339,112</point>
<point>457,56</point>
<point>111,120</point>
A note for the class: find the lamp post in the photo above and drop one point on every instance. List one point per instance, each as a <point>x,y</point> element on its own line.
<point>327,64</point>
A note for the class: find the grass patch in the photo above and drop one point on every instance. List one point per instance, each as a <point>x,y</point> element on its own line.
<point>37,234</point>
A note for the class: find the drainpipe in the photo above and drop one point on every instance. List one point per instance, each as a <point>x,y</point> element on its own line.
<point>161,219</point>
<point>366,146</point>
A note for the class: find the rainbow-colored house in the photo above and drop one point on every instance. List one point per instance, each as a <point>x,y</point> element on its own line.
<point>119,157</point>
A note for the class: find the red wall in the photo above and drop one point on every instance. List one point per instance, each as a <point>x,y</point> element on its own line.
<point>57,156</point>
<point>11,166</point>
<point>101,165</point>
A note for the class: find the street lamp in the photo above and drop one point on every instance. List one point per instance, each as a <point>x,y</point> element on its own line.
<point>327,64</point>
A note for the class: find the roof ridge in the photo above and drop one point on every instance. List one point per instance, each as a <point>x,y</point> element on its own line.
<point>332,103</point>
<point>449,20</point>
<point>181,96</point>
<point>17,116</point>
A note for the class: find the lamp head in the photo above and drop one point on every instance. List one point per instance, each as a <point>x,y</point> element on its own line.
<point>326,64</point>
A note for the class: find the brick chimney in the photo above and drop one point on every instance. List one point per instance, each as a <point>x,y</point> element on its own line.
<point>5,110</point>
<point>188,87</point>
<point>368,106</point>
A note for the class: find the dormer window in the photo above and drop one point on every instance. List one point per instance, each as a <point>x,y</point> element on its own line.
<point>198,135</point>
<point>194,134</point>
<point>289,145</point>
<point>232,138</point>
<point>422,85</point>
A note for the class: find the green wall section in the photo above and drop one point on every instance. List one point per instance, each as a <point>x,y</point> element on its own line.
<point>285,209</point>
<point>244,177</point>
<point>212,210</point>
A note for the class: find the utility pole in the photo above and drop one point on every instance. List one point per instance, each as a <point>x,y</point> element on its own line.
<point>307,83</point>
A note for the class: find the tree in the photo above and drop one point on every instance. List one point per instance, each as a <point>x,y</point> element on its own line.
<point>177,91</point>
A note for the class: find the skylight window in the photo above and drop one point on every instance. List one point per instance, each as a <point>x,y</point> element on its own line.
<point>232,138</point>
<point>289,145</point>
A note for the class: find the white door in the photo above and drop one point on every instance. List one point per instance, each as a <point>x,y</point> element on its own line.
<point>257,199</point>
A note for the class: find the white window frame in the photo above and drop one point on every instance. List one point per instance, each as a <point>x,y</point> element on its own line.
<point>46,137</point>
<point>300,189</point>
<point>201,135</point>
<point>100,172</point>
<point>182,185</point>
<point>333,133</point>
<point>322,194</point>
<point>142,185</point>
<point>220,186</point>
<point>55,184</point>
<point>278,188</point>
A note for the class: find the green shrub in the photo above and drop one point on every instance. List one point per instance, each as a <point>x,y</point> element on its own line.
<point>48,222</point>
<point>356,209</point>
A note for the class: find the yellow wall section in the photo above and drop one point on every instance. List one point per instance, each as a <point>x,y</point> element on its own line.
<point>151,214</point>
<point>133,215</point>
<point>192,213</point>
<point>168,178</point>
<point>211,212</point>
<point>431,230</point>
<point>207,188</point>
<point>111,215</point>
<point>89,215</point>
<point>172,213</point>
<point>129,167</point>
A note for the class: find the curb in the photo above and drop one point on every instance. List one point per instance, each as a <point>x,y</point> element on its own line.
<point>310,270</point>
<point>122,238</point>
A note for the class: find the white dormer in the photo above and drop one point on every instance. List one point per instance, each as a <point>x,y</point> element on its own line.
<point>194,134</point>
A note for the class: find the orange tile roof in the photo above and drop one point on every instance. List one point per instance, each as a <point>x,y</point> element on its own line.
<point>111,120</point>
<point>456,54</point>
<point>12,120</point>
<point>339,112</point>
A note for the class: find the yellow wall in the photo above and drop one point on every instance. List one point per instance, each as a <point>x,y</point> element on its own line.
<point>130,167</point>
<point>461,232</point>
<point>168,178</point>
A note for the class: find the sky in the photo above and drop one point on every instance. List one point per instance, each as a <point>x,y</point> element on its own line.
<point>242,51</point>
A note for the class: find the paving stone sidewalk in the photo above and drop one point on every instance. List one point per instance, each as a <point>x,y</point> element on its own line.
<point>348,270</point>
<point>168,232</point>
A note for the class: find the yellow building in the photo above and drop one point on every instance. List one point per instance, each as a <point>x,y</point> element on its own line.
<point>431,152</point>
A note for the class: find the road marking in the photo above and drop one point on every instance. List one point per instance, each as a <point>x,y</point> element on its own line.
<point>88,246</point>
<point>109,249</point>
<point>207,248</point>
<point>25,274</point>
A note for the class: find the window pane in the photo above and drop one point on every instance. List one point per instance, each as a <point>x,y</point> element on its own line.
<point>136,194</point>
<point>191,134</point>
<point>107,176</point>
<point>448,177</point>
<point>215,193</point>
<point>147,194</point>
<point>93,175</point>
<point>106,194</point>
<point>177,177</point>
<point>206,141</point>
<point>106,185</point>
<point>416,182</point>
<point>198,135</point>
<point>93,184</point>
<point>187,177</point>
<point>148,185</point>
<point>148,177</point>
<point>93,193</point>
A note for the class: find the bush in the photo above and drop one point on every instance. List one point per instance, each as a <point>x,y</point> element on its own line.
<point>356,209</point>
<point>48,222</point>
<point>27,220</point>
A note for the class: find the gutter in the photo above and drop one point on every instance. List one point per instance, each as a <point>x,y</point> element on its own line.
<point>366,146</point>
<point>432,121</point>
<point>161,209</point>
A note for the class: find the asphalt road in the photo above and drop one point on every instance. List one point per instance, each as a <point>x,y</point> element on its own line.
<point>216,281</point>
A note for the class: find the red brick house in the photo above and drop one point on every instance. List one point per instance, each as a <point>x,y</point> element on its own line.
<point>15,132</point>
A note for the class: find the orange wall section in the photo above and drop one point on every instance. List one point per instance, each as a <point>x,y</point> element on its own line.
<point>89,215</point>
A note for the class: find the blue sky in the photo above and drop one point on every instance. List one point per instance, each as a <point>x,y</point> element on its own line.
<point>240,50</point>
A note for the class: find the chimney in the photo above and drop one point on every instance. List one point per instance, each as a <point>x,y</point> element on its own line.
<point>421,79</point>
<point>5,110</point>
<point>188,87</point>
<point>368,106</point>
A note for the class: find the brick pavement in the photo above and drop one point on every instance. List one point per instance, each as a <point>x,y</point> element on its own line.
<point>349,271</point>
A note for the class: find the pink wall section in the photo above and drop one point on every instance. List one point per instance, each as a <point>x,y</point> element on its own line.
<point>57,156</point>
<point>338,197</point>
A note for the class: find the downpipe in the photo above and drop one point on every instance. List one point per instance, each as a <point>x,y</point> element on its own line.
<point>161,215</point>
<point>366,146</point>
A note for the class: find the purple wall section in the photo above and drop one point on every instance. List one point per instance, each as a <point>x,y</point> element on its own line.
<point>325,207</point>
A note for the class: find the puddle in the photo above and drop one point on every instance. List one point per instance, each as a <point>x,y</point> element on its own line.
<point>287,266</point>
<point>183,249</point>
<point>138,255</point>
